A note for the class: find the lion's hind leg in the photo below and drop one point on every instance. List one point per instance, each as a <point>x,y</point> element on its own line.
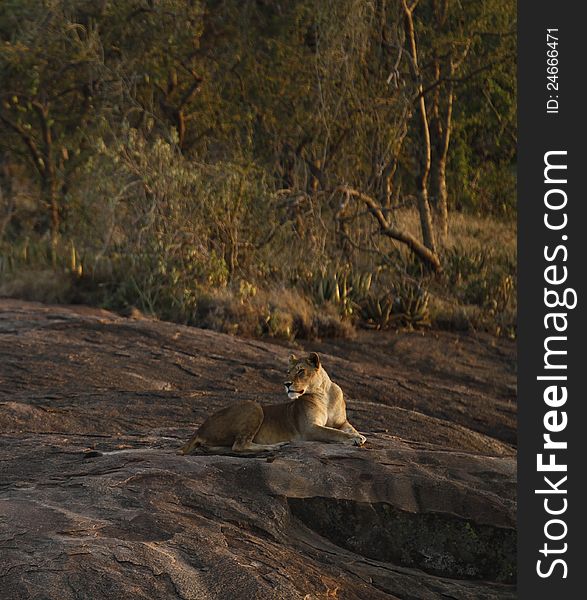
<point>226,428</point>
<point>247,445</point>
<point>231,429</point>
<point>190,447</point>
<point>250,423</point>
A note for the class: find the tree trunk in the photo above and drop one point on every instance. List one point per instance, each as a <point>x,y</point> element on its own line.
<point>442,199</point>
<point>51,199</point>
<point>49,186</point>
<point>423,201</point>
<point>444,131</point>
<point>384,184</point>
<point>181,125</point>
<point>44,162</point>
<point>314,176</point>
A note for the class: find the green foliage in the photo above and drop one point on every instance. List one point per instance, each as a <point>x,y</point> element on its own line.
<point>411,303</point>
<point>405,305</point>
<point>376,311</point>
<point>157,151</point>
<point>461,265</point>
<point>342,288</point>
<point>482,277</point>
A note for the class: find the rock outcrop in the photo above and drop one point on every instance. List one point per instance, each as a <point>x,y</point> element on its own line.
<point>95,502</point>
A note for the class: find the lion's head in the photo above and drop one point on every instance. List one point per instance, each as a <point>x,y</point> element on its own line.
<point>303,375</point>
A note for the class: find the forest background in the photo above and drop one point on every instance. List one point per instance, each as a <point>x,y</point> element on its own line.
<point>269,168</point>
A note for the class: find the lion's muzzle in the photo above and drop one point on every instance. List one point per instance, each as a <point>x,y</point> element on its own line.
<point>291,393</point>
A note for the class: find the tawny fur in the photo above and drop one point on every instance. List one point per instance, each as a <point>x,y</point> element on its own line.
<point>316,412</point>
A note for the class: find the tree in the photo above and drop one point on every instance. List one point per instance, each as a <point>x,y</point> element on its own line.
<point>50,68</point>
<point>463,46</point>
<point>401,103</point>
<point>423,202</point>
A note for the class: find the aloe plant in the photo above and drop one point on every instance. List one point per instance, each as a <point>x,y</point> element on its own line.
<point>411,303</point>
<point>376,312</point>
<point>406,303</point>
<point>343,288</point>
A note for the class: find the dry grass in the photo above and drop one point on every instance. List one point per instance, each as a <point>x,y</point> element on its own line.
<point>477,289</point>
<point>46,285</point>
<point>279,312</point>
<point>466,231</point>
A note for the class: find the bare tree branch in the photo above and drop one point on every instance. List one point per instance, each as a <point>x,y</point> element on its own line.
<point>386,228</point>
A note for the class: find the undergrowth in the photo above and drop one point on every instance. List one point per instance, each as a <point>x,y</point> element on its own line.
<point>475,291</point>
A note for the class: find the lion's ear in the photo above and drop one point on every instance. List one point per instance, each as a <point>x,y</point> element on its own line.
<point>292,359</point>
<point>314,360</point>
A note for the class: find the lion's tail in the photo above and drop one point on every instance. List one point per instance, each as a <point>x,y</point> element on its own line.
<point>194,443</point>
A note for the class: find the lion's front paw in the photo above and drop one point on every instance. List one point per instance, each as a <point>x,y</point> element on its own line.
<point>359,440</point>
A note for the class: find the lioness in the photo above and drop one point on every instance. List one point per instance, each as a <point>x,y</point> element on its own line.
<point>317,412</point>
